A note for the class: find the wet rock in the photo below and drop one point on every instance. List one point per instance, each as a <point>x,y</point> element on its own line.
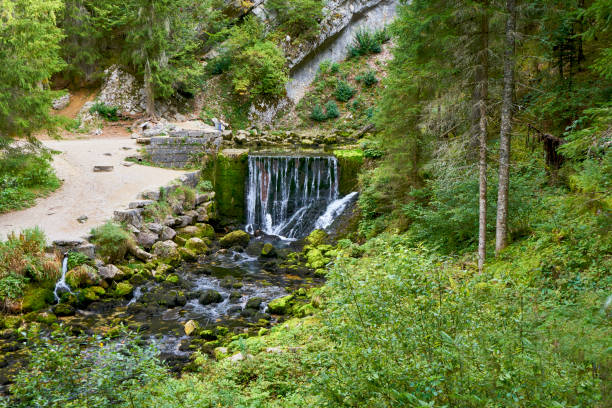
<point>124,289</point>
<point>235,295</point>
<point>268,251</point>
<point>165,249</point>
<point>185,220</point>
<point>210,296</point>
<point>234,310</point>
<point>254,303</point>
<point>247,312</point>
<point>147,239</point>
<point>63,309</point>
<point>235,238</point>
<point>190,327</point>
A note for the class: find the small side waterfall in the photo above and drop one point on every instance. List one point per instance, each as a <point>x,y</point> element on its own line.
<point>61,286</point>
<point>287,194</point>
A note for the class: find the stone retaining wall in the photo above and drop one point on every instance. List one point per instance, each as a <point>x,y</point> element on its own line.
<point>182,147</point>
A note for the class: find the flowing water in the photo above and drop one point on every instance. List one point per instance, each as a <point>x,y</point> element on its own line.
<point>287,194</point>
<point>61,286</point>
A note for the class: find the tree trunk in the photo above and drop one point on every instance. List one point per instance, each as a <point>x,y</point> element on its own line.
<point>483,87</point>
<point>501,230</point>
<point>149,96</point>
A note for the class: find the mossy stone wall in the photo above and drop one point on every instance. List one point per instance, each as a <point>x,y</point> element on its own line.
<point>228,172</point>
<point>349,166</point>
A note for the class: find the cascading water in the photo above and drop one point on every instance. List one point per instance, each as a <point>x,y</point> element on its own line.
<point>61,286</point>
<point>286,195</point>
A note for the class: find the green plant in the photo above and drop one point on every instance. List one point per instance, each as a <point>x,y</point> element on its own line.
<point>219,65</point>
<point>77,258</point>
<point>318,114</point>
<point>369,78</point>
<point>205,185</point>
<point>334,68</point>
<point>298,18</point>
<point>111,241</point>
<point>331,110</point>
<point>107,112</point>
<point>324,67</point>
<point>367,42</point>
<point>260,70</point>
<point>344,91</point>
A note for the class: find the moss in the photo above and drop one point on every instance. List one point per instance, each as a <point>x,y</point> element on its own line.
<point>36,298</point>
<point>315,238</point>
<point>281,305</point>
<point>268,250</point>
<point>228,173</point>
<point>350,163</point>
<point>187,254</point>
<point>172,278</point>
<point>206,231</point>
<point>196,245</point>
<point>123,289</point>
<point>46,318</point>
<point>234,238</point>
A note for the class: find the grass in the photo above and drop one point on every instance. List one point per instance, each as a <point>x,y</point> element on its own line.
<point>111,241</point>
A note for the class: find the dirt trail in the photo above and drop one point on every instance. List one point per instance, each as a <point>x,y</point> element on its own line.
<point>95,195</point>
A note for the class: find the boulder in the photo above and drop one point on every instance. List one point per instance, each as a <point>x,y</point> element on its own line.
<point>167,234</point>
<point>150,195</point>
<point>268,251</point>
<point>110,272</point>
<point>124,289</point>
<point>235,238</point>
<point>190,327</point>
<point>131,217</point>
<point>146,239</point>
<point>155,227</point>
<point>210,296</point>
<point>280,306</point>
<point>63,309</point>
<point>316,237</point>
<point>196,245</point>
<point>254,303</point>
<point>165,249</point>
<point>187,254</point>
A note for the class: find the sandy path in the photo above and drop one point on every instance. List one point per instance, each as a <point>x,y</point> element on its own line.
<point>95,195</point>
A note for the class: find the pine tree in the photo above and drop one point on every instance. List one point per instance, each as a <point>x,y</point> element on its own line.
<point>29,55</point>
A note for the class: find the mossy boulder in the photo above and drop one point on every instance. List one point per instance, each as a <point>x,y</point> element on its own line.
<point>316,238</point>
<point>123,289</point>
<point>235,238</point>
<point>268,251</point>
<point>46,318</point>
<point>187,254</point>
<point>206,231</point>
<point>172,279</point>
<point>165,249</point>
<point>281,305</point>
<point>82,276</point>
<point>196,245</point>
<point>210,296</point>
<point>63,309</point>
<point>315,259</point>
<point>254,303</point>
<point>36,298</point>
<point>162,270</point>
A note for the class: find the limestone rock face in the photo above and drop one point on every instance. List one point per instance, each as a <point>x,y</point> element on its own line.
<point>121,89</point>
<point>61,102</point>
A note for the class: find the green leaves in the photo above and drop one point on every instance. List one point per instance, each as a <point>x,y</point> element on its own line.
<point>30,55</point>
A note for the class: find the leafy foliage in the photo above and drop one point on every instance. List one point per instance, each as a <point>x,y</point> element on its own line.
<point>318,114</point>
<point>298,18</point>
<point>368,78</point>
<point>344,91</point>
<point>368,42</point>
<point>30,54</point>
<point>331,110</point>
<point>111,241</point>
<point>107,112</point>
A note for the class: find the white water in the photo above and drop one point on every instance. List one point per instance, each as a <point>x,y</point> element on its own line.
<point>61,285</point>
<point>334,209</point>
<point>286,194</point>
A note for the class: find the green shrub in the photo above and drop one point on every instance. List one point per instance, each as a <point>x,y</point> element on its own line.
<point>87,371</point>
<point>372,149</point>
<point>111,241</point>
<point>77,258</point>
<point>298,18</point>
<point>324,67</point>
<point>24,176</point>
<point>369,78</point>
<point>331,109</point>
<point>335,68</point>
<point>260,70</point>
<point>318,114</point>
<point>367,42</point>
<point>219,65</point>
<point>344,91</point>
<point>205,185</point>
<point>107,112</point>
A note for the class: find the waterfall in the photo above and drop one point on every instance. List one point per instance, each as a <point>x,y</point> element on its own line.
<point>61,286</point>
<point>334,209</point>
<point>287,194</point>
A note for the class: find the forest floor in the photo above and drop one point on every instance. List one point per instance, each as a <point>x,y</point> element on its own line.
<point>84,192</point>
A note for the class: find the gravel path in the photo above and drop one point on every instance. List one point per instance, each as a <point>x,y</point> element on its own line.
<point>95,195</point>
